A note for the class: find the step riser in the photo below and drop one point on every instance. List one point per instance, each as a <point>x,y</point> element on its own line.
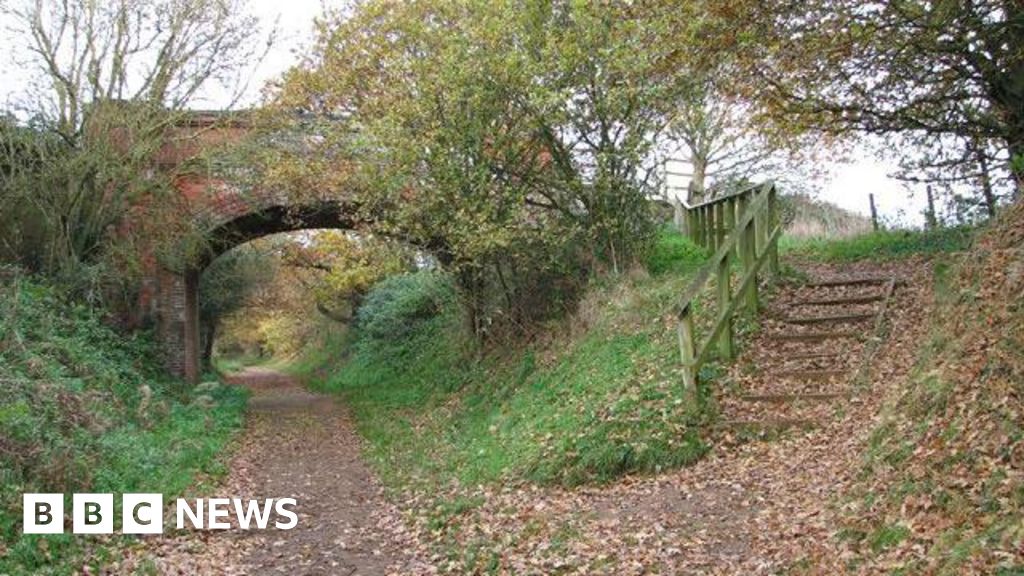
<point>784,398</point>
<point>848,282</point>
<point>821,356</point>
<point>829,319</point>
<point>842,301</point>
<point>818,336</point>
<point>811,375</point>
<point>769,426</point>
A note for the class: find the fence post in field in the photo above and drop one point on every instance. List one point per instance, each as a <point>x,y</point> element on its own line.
<point>931,221</point>
<point>874,212</point>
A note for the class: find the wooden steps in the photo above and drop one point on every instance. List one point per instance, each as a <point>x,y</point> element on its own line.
<point>795,397</point>
<point>843,301</point>
<point>818,336</point>
<point>833,318</point>
<point>809,375</point>
<point>782,397</point>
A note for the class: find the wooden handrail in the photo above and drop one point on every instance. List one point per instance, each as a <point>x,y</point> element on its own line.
<point>743,224</point>
<point>718,199</point>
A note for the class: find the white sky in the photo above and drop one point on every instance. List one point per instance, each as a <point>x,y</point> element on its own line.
<point>849,186</point>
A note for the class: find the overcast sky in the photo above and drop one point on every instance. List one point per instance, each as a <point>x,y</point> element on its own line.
<point>849,186</point>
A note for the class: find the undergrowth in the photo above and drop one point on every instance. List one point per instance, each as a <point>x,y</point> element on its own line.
<point>85,409</point>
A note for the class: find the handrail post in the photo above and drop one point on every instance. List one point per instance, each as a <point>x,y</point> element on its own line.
<point>699,236</point>
<point>705,229</point>
<point>720,229</point>
<point>679,216</point>
<point>725,343</point>
<point>741,209</point>
<point>760,226</point>
<point>687,351</point>
<point>713,218</point>
<point>730,216</point>
<point>773,221</point>
<point>749,241</point>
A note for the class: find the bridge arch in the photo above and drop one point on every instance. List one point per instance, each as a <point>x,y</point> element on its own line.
<point>174,294</point>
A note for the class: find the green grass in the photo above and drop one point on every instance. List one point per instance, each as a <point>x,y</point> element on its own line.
<point>674,253</point>
<point>887,536</point>
<point>882,245</point>
<point>85,409</point>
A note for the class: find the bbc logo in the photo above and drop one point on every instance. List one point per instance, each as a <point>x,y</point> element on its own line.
<point>143,513</point>
<point>93,513</point>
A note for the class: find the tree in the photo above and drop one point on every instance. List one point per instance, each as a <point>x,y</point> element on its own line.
<point>946,76</point>
<point>347,265</point>
<point>497,133</point>
<point>718,135</point>
<point>158,52</point>
<point>109,79</point>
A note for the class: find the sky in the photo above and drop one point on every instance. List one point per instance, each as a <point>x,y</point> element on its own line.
<point>848,187</point>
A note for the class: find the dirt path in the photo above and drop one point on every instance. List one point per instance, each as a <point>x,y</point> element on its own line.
<point>301,445</point>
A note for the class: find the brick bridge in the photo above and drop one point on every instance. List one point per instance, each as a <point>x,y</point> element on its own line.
<point>169,298</point>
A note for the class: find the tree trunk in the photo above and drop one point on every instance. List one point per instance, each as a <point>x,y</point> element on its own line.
<point>931,219</point>
<point>472,283</point>
<point>697,181</point>
<point>209,333</point>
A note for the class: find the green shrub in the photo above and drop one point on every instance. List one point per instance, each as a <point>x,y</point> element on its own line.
<point>396,305</point>
<point>674,253</point>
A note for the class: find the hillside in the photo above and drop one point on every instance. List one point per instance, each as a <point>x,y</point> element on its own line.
<point>592,398</point>
<point>943,485</point>
<point>85,409</point>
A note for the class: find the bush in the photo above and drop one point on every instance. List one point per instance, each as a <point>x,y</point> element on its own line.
<point>396,305</point>
<point>675,253</point>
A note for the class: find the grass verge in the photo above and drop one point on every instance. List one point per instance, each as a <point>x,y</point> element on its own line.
<point>881,245</point>
<point>942,490</point>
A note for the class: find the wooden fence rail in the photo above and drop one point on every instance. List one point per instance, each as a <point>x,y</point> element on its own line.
<point>744,225</point>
